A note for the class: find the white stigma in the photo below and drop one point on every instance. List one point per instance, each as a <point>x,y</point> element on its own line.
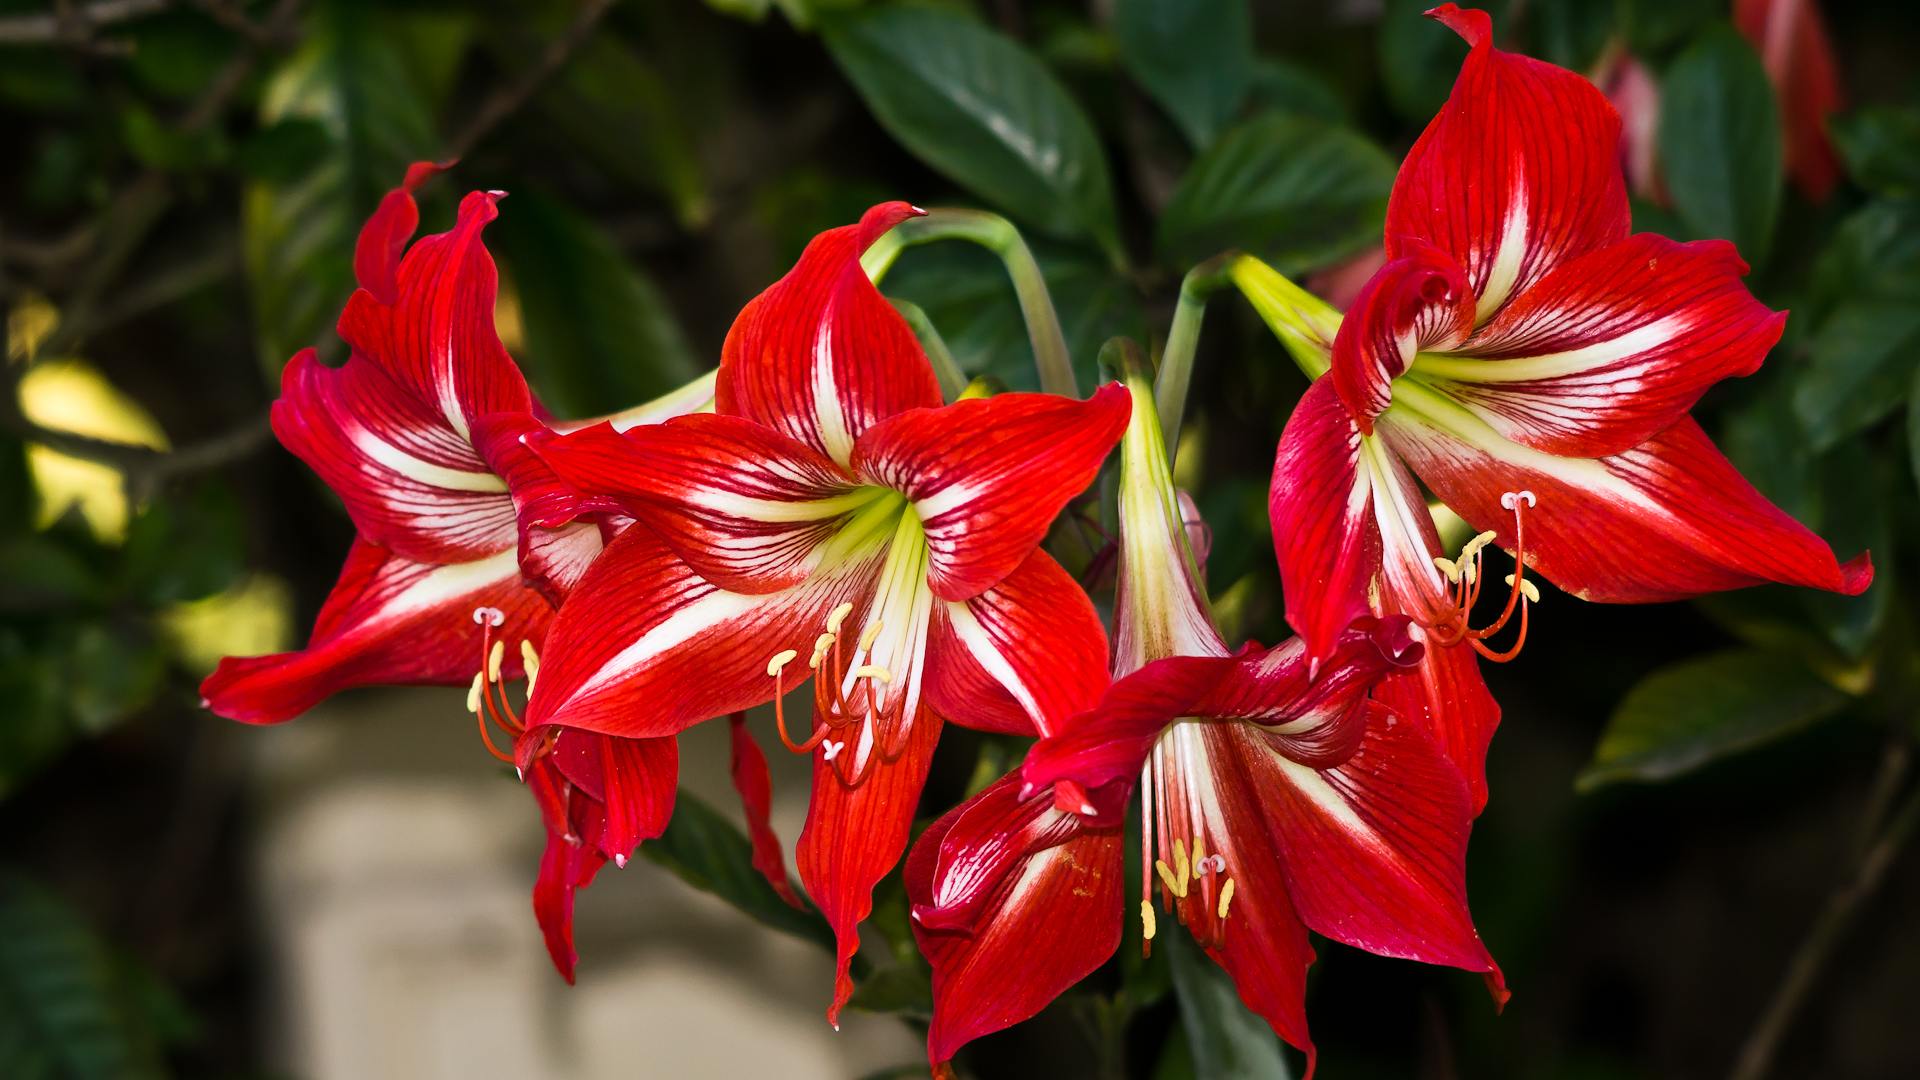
<point>491,616</point>
<point>1512,499</point>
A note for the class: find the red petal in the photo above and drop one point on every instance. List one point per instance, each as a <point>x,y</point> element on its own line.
<point>747,507</point>
<point>1109,742</point>
<point>389,620</point>
<point>376,256</point>
<point>1667,520</point>
<point>555,546</point>
<point>1792,41</point>
<point>854,836</point>
<point>566,866</point>
<point>1418,301</point>
<point>437,340</point>
<point>1611,348</point>
<point>632,779</point>
<point>1374,850</point>
<point>409,482</point>
<point>987,477</point>
<point>821,355</point>
<point>1022,656</point>
<point>644,647</point>
<point>1446,695</point>
<point>750,779</point>
<point>1027,882</point>
<point>1519,172</point>
<point>1315,722</point>
<point>1323,525</point>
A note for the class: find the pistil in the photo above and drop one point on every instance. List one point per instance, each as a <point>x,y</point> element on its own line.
<point>487,697</point>
<point>1464,577</point>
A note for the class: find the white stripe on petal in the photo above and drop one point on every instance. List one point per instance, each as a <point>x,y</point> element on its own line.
<point>424,472</point>
<point>1505,273</point>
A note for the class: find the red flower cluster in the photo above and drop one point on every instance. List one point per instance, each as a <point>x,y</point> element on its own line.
<point>828,518</point>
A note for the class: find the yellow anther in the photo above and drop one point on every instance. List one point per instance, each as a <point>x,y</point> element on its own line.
<point>1147,925</point>
<point>1199,858</point>
<point>869,671</point>
<point>824,642</point>
<point>1173,885</point>
<point>1226,897</point>
<point>1474,545</point>
<point>1181,866</point>
<point>1448,567</point>
<point>872,631</point>
<point>780,659</point>
<point>839,616</point>
<point>1470,571</point>
<point>1526,588</point>
<point>473,694</point>
<point>531,661</point>
<point>493,661</point>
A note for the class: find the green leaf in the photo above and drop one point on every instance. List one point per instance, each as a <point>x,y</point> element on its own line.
<point>1881,147</point>
<point>73,1015</point>
<point>161,147</point>
<point>982,110</point>
<point>36,727</point>
<point>900,988</point>
<point>1863,362</point>
<point>709,853</point>
<point>1279,86</point>
<point>599,336</point>
<point>1296,191</point>
<point>1419,58</point>
<point>1697,711</point>
<point>1653,27</point>
<point>1855,519</point>
<point>617,109</point>
<point>1194,57</point>
<point>114,670</point>
<point>1569,33</point>
<point>185,547</point>
<point>282,153</point>
<point>1226,1040</point>
<point>178,53</point>
<point>1720,142</point>
<point>38,573</point>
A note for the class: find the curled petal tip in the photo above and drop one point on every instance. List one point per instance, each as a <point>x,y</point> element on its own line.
<point>1393,636</point>
<point>420,172</point>
<point>1472,24</point>
<point>1497,988</point>
<point>1856,574</point>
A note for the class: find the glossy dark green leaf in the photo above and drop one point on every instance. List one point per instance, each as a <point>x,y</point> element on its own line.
<point>1657,27</point>
<point>1419,59</point>
<point>1194,57</point>
<point>1856,492</point>
<point>1881,147</point>
<point>710,853</point>
<point>1698,711</point>
<point>901,988</point>
<point>1278,86</point>
<point>1569,33</point>
<point>981,109</point>
<point>1226,1040</point>
<point>1765,440</point>
<point>1720,142</point>
<point>66,994</point>
<point>613,105</point>
<point>1296,191</point>
<point>599,336</point>
<point>1866,311</point>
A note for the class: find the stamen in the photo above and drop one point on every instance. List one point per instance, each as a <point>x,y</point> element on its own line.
<point>1449,568</point>
<point>1147,925</point>
<point>531,661</point>
<point>1463,576</point>
<point>870,633</point>
<point>870,671</point>
<point>780,659</point>
<point>1174,885</point>
<point>1226,897</point>
<point>494,656</point>
<point>838,616</point>
<point>473,694</point>
<point>1180,866</point>
<point>1527,588</point>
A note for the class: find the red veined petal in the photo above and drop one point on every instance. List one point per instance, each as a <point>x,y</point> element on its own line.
<point>632,779</point>
<point>388,620</point>
<point>1065,896</point>
<point>748,767</point>
<point>556,545</point>
<point>376,255</point>
<point>567,865</point>
<point>645,647</point>
<point>1792,41</point>
<point>1445,694</point>
<point>821,356</point>
<point>748,508</point>
<point>1669,519</point>
<point>437,339</point>
<point>1373,850</point>
<point>1324,532</point>
<point>410,483</point>
<point>1109,742</point>
<point>986,837</point>
<point>1020,657</point>
<point>1316,721</point>
<point>1418,301</point>
<point>1518,173</point>
<point>854,836</point>
<point>987,477</point>
<point>1610,349</point>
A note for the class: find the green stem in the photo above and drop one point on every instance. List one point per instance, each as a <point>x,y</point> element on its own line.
<point>953,382</point>
<point>1176,364</point>
<point>999,236</point>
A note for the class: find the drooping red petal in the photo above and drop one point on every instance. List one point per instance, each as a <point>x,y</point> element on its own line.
<point>388,620</point>
<point>1020,657</point>
<point>1373,850</point>
<point>567,865</point>
<point>1110,741</point>
<point>376,255</point>
<point>1324,533</point>
<point>821,356</point>
<point>1518,173</point>
<point>1793,45</point>
<point>632,779</point>
<point>410,483</point>
<point>854,836</point>
<point>1032,875</point>
<point>1315,721</point>
<point>1610,349</point>
<point>747,507</point>
<point>645,647</point>
<point>437,339</point>
<point>987,477</point>
<point>1418,301</point>
<point>1667,520</point>
<point>748,768</point>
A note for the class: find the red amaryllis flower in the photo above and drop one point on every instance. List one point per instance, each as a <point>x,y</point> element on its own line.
<point>1278,802</point>
<point>1791,39</point>
<point>461,543</point>
<point>831,509</point>
<point>1532,365</point>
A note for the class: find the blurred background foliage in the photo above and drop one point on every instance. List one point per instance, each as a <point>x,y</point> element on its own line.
<point>1689,863</point>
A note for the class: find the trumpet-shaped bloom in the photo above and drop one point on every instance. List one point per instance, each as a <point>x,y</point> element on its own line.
<point>1277,800</point>
<point>831,519</point>
<point>1532,365</point>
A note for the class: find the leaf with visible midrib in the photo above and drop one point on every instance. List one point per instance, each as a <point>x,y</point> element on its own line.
<point>1194,56</point>
<point>979,108</point>
<point>1720,143</point>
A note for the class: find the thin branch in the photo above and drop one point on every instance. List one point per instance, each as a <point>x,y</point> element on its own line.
<point>507,100</point>
<point>47,253</point>
<point>74,25</point>
<point>1756,1056</point>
